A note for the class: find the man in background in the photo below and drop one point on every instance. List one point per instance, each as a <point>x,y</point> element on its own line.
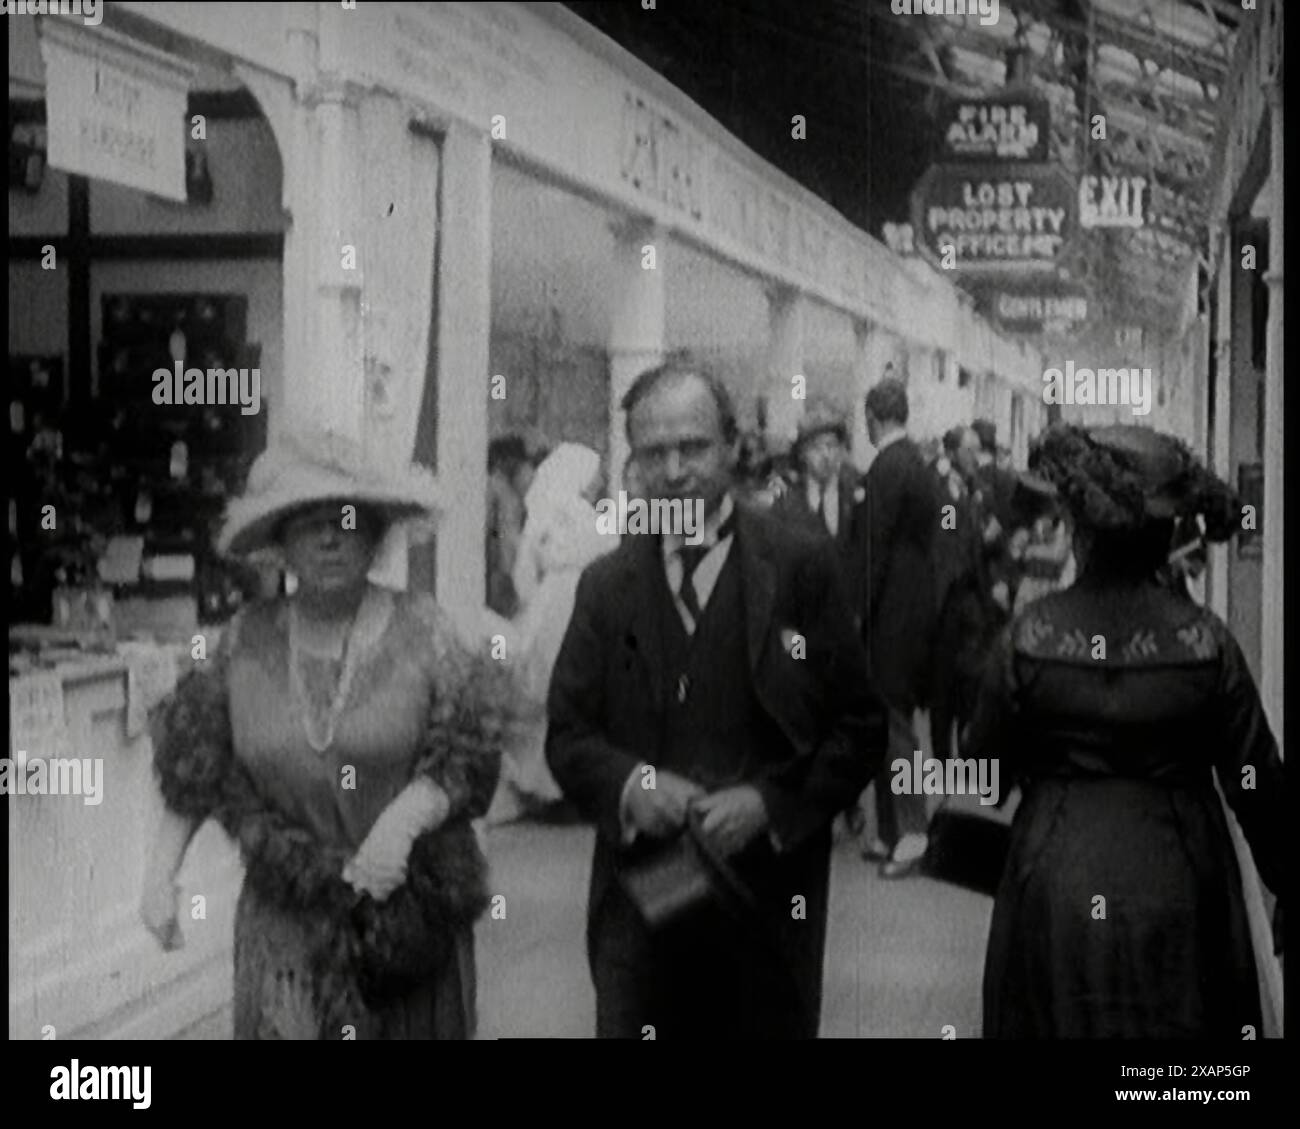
<point>826,489</point>
<point>510,471</point>
<point>899,515</point>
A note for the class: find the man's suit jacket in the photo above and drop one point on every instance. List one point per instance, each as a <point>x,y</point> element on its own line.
<point>793,505</point>
<point>897,524</point>
<point>609,691</point>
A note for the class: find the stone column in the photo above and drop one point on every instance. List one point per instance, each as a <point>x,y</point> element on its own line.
<point>636,329</point>
<point>785,361</point>
<point>864,376</point>
<point>324,385</point>
<point>464,304</point>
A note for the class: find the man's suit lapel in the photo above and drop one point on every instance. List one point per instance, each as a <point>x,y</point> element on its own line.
<point>648,584</point>
<point>758,578</point>
<point>847,503</point>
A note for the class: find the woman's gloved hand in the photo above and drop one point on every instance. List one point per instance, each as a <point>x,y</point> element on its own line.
<point>379,866</point>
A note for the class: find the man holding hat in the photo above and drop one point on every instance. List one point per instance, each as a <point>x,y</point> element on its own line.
<point>710,712</point>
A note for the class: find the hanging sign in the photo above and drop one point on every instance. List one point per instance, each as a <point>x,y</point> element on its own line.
<point>987,219</point>
<point>1002,128</point>
<point>1112,201</point>
<point>1036,311</point>
<point>115,108</point>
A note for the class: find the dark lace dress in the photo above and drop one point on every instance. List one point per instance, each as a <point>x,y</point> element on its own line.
<point>406,659</point>
<point>1116,757</point>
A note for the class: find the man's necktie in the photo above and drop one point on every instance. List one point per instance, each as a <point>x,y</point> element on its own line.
<point>825,511</point>
<point>691,556</point>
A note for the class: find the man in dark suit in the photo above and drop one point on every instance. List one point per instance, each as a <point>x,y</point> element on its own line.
<point>722,682</point>
<point>963,633</point>
<point>826,492</point>
<point>824,499</point>
<point>899,515</point>
<point>995,486</point>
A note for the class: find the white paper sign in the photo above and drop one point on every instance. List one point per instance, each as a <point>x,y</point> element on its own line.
<point>115,108</point>
<point>37,725</point>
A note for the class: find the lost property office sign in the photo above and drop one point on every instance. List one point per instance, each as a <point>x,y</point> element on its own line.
<point>994,219</point>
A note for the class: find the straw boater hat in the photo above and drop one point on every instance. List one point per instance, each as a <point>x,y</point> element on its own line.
<point>304,470</point>
<point>819,418</point>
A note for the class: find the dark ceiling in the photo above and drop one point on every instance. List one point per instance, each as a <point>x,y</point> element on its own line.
<point>870,84</point>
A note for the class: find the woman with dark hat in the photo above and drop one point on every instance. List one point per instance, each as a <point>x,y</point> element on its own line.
<point>345,737</point>
<point>1113,704</point>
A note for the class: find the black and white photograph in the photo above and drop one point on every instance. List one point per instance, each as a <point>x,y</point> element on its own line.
<point>692,521</point>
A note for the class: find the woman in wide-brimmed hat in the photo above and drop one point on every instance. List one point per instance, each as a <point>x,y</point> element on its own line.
<point>344,737</point>
<point>1113,703</point>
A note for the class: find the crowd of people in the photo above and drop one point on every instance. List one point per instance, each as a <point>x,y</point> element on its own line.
<point>712,705</point>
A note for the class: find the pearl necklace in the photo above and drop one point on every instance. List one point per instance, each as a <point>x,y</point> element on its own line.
<point>319,741</point>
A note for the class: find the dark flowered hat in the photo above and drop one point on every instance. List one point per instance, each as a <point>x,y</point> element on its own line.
<point>1122,477</point>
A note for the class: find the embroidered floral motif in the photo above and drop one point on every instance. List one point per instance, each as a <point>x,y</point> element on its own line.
<point>1141,646</point>
<point>1198,639</point>
<point>1036,631</point>
<point>1074,645</point>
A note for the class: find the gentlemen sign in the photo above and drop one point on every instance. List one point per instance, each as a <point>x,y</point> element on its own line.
<point>994,129</point>
<point>1111,201</point>
<point>1030,313</point>
<point>983,219</point>
<point>115,109</point>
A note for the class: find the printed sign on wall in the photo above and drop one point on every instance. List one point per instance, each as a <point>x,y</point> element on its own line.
<point>115,108</point>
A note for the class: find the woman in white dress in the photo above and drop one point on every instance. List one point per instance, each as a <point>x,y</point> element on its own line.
<point>560,539</point>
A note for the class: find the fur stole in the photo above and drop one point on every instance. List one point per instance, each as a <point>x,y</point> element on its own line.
<point>361,948</point>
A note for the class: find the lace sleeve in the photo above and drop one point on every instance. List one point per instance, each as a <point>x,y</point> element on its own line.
<point>469,710</point>
<point>192,749</point>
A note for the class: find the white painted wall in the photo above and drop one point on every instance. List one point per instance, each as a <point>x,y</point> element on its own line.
<point>79,959</point>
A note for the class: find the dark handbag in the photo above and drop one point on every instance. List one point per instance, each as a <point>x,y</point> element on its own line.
<point>967,850</point>
<point>679,879</point>
<point>396,951</point>
<point>407,940</point>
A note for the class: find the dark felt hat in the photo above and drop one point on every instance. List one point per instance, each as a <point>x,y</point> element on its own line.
<point>682,879</point>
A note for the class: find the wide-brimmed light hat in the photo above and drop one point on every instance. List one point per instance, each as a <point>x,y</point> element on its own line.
<point>303,470</point>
